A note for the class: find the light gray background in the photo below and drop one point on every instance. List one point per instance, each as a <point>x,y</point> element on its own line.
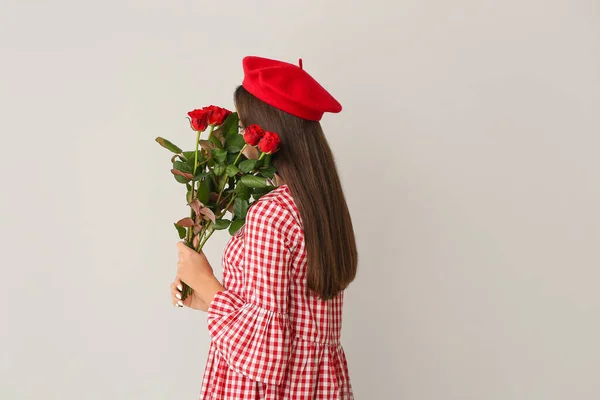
<point>468,148</point>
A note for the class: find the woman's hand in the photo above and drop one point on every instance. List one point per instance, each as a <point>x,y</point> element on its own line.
<point>192,301</point>
<point>194,269</point>
<point>192,266</point>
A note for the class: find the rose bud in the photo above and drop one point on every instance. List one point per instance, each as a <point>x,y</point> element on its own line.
<point>217,115</point>
<point>253,134</point>
<point>269,143</point>
<point>198,119</point>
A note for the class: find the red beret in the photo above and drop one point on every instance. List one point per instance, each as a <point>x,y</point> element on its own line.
<point>287,87</point>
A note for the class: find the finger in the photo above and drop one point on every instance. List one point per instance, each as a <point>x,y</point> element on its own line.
<point>175,293</point>
<point>178,284</point>
<point>176,298</point>
<point>184,250</point>
<point>182,247</point>
<point>176,302</point>
<point>188,301</point>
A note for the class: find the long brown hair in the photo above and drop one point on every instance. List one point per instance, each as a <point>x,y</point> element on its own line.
<point>306,165</point>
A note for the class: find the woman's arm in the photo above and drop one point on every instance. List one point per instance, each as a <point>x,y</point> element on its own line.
<point>251,327</point>
<point>194,269</point>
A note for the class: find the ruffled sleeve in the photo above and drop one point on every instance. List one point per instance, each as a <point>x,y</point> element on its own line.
<point>251,330</point>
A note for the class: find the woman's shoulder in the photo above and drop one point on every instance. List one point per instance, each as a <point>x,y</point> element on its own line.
<point>275,193</point>
<point>278,197</point>
<point>278,205</point>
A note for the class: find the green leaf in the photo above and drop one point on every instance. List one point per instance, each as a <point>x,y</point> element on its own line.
<point>235,226</point>
<point>267,159</point>
<point>181,179</point>
<point>183,166</point>
<point>254,181</point>
<point>258,193</point>
<point>214,139</point>
<point>206,146</point>
<point>234,143</point>
<point>240,207</point>
<point>189,156</point>
<point>200,175</point>
<point>168,145</point>
<point>181,230</point>
<point>247,165</point>
<point>232,156</point>
<point>180,176</point>
<point>231,125</point>
<point>204,188</point>
<point>213,179</point>
<point>232,170</point>
<point>219,155</point>
<point>221,224</point>
<point>219,169</point>
<point>267,172</point>
<point>242,191</point>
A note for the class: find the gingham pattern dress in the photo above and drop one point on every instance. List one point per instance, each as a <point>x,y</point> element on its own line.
<point>269,339</point>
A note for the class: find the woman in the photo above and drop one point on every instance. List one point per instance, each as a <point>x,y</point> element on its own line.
<point>275,321</point>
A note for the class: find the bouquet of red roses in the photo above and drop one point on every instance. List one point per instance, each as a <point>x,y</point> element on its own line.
<point>218,177</point>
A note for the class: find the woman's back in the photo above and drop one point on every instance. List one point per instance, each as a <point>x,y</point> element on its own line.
<point>271,338</point>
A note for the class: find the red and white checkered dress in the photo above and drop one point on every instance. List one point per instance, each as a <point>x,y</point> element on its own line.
<point>269,339</point>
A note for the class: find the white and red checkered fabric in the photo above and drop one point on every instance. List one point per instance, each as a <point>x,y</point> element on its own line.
<point>269,339</point>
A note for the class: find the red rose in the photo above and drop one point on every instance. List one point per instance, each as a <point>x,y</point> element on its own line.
<point>198,119</point>
<point>216,115</point>
<point>269,143</point>
<point>253,134</point>
<point>211,115</point>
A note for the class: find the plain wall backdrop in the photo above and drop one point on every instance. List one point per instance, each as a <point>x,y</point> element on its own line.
<point>468,148</point>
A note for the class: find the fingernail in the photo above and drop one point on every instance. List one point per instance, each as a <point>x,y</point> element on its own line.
<point>178,296</point>
<point>180,303</point>
<point>179,287</point>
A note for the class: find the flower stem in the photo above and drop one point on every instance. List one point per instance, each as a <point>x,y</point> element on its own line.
<point>212,127</point>
<point>241,151</point>
<point>226,207</point>
<point>190,234</point>
<point>196,152</point>
<point>200,240</point>
<point>220,192</point>
<point>205,239</point>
